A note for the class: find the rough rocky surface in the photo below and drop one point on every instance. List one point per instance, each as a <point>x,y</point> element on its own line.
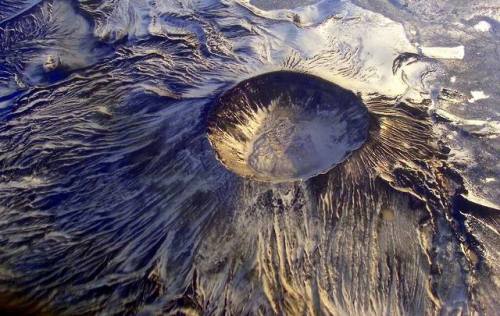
<point>113,201</point>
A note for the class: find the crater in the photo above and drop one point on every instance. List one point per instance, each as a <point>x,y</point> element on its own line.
<point>286,126</point>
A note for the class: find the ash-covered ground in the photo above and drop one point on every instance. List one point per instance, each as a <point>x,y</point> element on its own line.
<point>114,198</point>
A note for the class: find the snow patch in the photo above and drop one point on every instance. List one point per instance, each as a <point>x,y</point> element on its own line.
<point>477,95</point>
<point>482,26</point>
<point>457,52</point>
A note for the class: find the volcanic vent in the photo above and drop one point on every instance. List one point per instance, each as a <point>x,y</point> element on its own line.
<point>285,126</point>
